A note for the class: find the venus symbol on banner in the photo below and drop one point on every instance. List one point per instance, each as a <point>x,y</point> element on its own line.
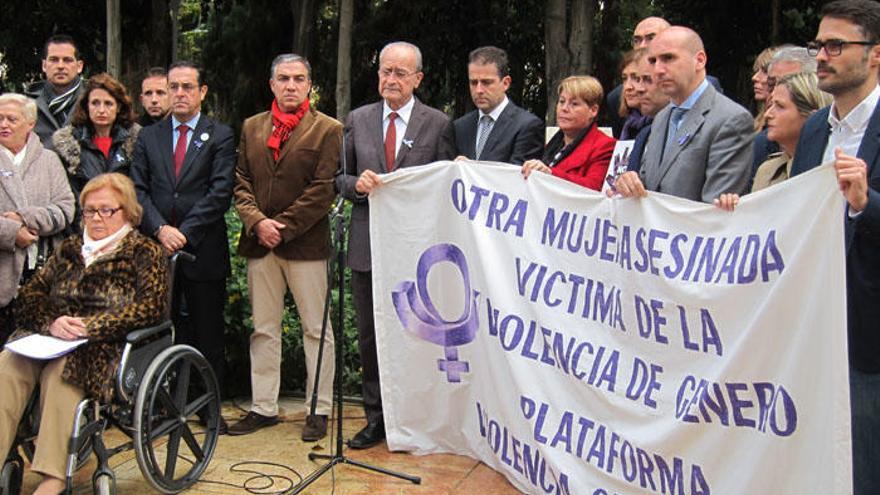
<point>418,315</point>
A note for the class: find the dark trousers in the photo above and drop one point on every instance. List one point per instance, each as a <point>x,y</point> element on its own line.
<point>362,290</point>
<point>864,391</point>
<point>197,313</point>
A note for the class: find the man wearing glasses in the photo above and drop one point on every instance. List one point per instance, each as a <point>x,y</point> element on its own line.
<point>846,133</point>
<point>183,169</point>
<point>398,131</point>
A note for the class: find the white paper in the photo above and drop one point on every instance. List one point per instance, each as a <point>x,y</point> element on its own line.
<point>619,162</point>
<point>43,346</point>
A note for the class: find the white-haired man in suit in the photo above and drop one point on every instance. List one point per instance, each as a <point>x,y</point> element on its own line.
<point>397,131</point>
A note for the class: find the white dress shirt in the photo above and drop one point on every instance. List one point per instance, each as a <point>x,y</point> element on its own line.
<point>847,133</point>
<point>403,115</point>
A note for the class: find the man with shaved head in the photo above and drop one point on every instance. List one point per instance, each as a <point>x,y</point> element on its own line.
<point>645,31</point>
<point>701,143</point>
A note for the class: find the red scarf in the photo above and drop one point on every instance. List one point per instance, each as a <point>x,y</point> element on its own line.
<point>283,124</point>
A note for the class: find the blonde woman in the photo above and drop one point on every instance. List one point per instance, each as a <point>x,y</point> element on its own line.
<point>793,100</point>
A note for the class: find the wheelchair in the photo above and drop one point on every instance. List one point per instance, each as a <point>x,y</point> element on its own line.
<point>162,391</point>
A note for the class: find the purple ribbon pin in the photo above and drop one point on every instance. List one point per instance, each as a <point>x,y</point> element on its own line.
<point>417,312</point>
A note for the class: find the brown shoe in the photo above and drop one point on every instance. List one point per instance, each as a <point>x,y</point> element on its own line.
<point>315,428</point>
<point>251,423</point>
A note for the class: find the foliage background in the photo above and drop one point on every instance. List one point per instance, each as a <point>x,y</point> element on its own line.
<point>235,41</point>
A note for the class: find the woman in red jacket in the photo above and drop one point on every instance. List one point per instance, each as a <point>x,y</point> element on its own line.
<point>579,152</point>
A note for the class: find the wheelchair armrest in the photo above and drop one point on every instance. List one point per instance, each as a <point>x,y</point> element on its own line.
<point>145,333</point>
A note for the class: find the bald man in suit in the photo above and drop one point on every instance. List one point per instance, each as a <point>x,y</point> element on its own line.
<point>398,131</point>
<point>700,145</point>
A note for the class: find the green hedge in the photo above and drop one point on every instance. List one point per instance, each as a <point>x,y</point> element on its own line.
<point>239,326</point>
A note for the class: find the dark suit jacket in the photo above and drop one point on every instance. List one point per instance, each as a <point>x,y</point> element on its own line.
<point>430,132</point>
<point>710,155</point>
<point>517,136</point>
<point>195,202</point>
<point>296,190</point>
<point>862,239</point>
<point>635,156</point>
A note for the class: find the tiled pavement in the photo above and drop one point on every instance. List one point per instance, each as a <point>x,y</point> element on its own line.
<point>441,474</point>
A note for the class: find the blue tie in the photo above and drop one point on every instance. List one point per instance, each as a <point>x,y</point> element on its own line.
<point>674,124</point>
<point>483,131</point>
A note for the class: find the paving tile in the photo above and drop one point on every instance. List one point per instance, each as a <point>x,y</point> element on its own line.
<point>440,473</point>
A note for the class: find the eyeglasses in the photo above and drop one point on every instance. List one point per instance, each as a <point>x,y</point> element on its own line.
<point>833,47</point>
<point>398,73</point>
<point>104,212</point>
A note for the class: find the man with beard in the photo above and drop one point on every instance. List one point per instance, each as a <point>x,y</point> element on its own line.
<point>846,133</point>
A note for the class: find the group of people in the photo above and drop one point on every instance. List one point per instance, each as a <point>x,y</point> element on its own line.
<point>74,151</point>
<point>819,106</point>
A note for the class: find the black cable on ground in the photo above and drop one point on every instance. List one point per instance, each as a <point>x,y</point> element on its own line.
<point>269,486</point>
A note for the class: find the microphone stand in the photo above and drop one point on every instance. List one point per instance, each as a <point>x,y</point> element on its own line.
<point>338,223</point>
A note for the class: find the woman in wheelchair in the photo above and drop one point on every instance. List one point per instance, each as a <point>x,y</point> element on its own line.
<point>96,286</point>
<point>35,201</point>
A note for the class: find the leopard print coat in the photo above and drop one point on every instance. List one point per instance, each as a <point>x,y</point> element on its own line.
<point>121,291</point>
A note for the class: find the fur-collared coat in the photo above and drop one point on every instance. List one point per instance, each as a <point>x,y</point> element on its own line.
<point>39,193</point>
<point>119,292</point>
<point>83,160</point>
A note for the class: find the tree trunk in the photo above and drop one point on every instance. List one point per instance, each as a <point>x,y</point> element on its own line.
<point>343,60</point>
<point>556,53</point>
<point>174,9</point>
<point>302,25</point>
<point>114,38</point>
<point>580,38</point>
<point>605,61</point>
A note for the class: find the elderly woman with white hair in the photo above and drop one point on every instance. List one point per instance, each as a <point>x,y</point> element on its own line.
<point>36,203</point>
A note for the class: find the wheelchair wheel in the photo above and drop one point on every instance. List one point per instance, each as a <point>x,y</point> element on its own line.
<point>179,384</point>
<point>10,478</point>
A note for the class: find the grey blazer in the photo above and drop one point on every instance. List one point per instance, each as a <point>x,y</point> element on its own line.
<point>430,132</point>
<point>710,155</point>
<point>40,193</point>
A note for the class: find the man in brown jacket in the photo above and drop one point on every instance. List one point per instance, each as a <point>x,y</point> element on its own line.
<point>283,191</point>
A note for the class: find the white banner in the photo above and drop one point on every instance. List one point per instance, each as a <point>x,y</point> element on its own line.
<point>586,345</point>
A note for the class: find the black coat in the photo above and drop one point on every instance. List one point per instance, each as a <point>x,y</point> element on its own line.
<point>47,123</point>
<point>83,160</point>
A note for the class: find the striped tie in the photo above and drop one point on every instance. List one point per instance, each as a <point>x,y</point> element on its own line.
<point>483,132</point>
